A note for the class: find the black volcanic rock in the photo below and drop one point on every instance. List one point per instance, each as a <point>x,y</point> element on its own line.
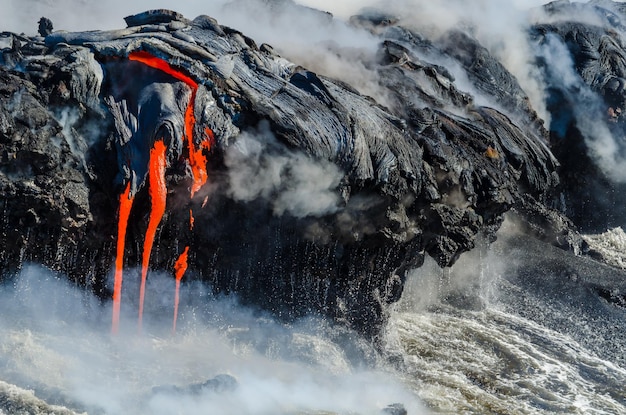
<point>319,198</point>
<point>219,384</point>
<point>45,196</point>
<point>154,17</point>
<point>586,99</point>
<point>394,409</point>
<point>45,27</point>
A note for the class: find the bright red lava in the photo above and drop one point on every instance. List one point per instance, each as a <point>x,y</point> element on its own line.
<point>158,197</point>
<point>158,190</point>
<point>126,203</point>
<point>197,159</point>
<point>157,63</point>
<point>179,270</point>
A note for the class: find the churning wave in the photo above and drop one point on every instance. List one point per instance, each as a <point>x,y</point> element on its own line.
<point>516,329</point>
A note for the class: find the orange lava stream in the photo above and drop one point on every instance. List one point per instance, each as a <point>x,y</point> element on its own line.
<point>158,197</point>
<point>162,65</point>
<point>197,159</point>
<point>126,203</point>
<point>158,190</point>
<point>179,269</point>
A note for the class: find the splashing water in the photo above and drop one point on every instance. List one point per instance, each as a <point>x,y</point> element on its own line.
<point>515,329</point>
<point>610,245</point>
<point>158,191</point>
<point>54,353</point>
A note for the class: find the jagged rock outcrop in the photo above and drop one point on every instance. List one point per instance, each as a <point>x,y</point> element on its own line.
<point>45,196</point>
<point>318,198</point>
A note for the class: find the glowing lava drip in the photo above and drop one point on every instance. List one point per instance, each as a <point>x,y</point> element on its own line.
<point>158,192</point>
<point>179,270</point>
<point>126,203</point>
<point>158,197</point>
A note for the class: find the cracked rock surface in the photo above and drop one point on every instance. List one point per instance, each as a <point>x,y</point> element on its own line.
<point>319,198</point>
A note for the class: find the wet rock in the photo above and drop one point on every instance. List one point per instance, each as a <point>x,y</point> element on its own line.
<point>43,187</point>
<point>320,198</point>
<point>219,384</point>
<point>394,409</point>
<point>45,27</point>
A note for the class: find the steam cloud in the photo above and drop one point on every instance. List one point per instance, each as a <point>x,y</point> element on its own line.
<point>588,109</point>
<point>54,338</point>
<point>330,47</point>
<point>258,167</point>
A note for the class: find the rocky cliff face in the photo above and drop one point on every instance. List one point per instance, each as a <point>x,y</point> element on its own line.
<point>289,188</point>
<point>586,99</point>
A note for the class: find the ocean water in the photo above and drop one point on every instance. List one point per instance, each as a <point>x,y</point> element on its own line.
<point>514,328</point>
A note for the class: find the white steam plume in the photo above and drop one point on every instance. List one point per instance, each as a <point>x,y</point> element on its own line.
<point>499,26</point>
<point>22,15</point>
<point>259,167</point>
<point>54,339</point>
<point>588,109</point>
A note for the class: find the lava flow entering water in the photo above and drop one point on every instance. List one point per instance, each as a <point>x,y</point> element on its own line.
<point>158,197</point>
<point>126,203</point>
<point>179,270</point>
<point>158,191</point>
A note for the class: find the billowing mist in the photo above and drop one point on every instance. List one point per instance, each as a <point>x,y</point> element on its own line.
<point>588,108</point>
<point>258,167</point>
<point>224,358</point>
<point>314,40</point>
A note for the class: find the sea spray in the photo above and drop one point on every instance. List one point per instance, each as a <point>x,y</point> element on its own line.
<point>61,349</point>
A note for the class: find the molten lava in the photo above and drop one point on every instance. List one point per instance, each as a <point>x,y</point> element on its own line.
<point>126,203</point>
<point>158,63</point>
<point>197,160</point>
<point>179,270</point>
<point>158,190</point>
<point>158,196</point>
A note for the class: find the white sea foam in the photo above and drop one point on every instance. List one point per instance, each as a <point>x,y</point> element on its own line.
<point>610,245</point>
<point>15,400</point>
<point>491,361</point>
<point>498,333</point>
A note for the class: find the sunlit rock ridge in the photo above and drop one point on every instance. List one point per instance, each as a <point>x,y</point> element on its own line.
<point>292,189</point>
